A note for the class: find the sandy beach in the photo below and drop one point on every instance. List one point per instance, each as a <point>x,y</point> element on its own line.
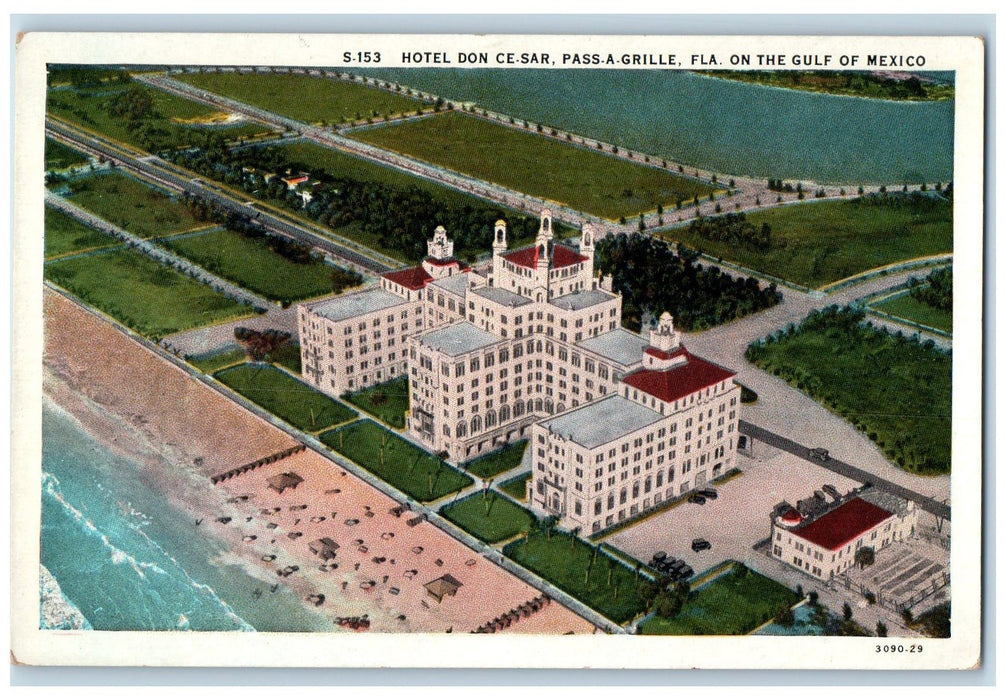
<point>142,405</point>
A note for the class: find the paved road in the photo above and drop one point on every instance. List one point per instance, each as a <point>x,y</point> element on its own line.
<point>937,508</point>
<point>785,410</point>
<point>173,179</point>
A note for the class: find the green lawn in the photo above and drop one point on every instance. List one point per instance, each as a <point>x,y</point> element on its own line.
<point>491,519</point>
<point>582,570</point>
<point>152,299</point>
<point>582,178</point>
<point>141,209</point>
<point>894,389</point>
<point>65,234</point>
<point>58,156</point>
<point>734,603</point>
<point>388,401</point>
<point>516,487</point>
<point>908,307</point>
<point>213,362</point>
<point>314,157</point>
<point>816,243</point>
<point>89,108</point>
<point>252,264</point>
<point>303,97</point>
<point>294,401</point>
<point>505,459</point>
<point>398,462</point>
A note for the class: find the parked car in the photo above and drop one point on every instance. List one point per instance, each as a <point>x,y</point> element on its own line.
<point>697,498</point>
<point>685,573</point>
<point>820,454</point>
<point>699,544</point>
<point>709,493</point>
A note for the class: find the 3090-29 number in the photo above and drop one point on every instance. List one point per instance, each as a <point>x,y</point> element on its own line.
<point>899,648</point>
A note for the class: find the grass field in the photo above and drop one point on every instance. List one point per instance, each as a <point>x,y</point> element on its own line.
<point>734,603</point>
<point>277,392</point>
<point>252,264</point>
<point>398,462</point>
<point>339,164</point>
<point>151,298</point>
<point>516,487</point>
<point>582,178</point>
<point>491,519</point>
<point>817,243</point>
<point>303,97</point>
<point>388,401</point>
<point>907,307</point>
<point>58,156</point>
<point>65,235</point>
<point>583,571</point>
<point>894,389</point>
<point>215,361</point>
<point>139,208</point>
<point>88,107</point>
<point>505,459</point>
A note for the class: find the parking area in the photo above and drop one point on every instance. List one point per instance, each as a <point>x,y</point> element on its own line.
<point>736,520</point>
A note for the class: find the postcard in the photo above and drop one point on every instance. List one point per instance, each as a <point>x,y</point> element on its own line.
<point>498,351</point>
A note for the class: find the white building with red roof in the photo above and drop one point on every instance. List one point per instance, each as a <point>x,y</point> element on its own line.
<point>532,348</point>
<point>821,537</point>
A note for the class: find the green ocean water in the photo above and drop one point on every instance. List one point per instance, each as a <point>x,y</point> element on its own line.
<point>130,560</point>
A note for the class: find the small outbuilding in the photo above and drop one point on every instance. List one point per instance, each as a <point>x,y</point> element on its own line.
<point>445,585</point>
<point>324,547</point>
<point>282,482</point>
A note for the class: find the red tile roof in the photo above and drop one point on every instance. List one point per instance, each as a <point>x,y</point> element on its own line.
<point>561,257</point>
<point>661,355</point>
<point>677,382</point>
<point>443,263</point>
<point>792,516</point>
<point>410,277</point>
<point>835,529</point>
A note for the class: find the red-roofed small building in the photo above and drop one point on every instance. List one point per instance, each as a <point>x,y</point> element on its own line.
<point>823,543</point>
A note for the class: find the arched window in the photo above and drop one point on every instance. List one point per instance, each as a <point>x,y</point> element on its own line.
<point>518,409</point>
<point>504,414</point>
<point>561,408</point>
<point>490,418</point>
<point>549,406</point>
<point>537,404</point>
<point>461,430</point>
<point>476,424</point>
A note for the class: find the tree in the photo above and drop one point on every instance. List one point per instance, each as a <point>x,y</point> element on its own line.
<point>865,556</point>
<point>784,616</point>
<point>881,629</point>
<point>846,611</point>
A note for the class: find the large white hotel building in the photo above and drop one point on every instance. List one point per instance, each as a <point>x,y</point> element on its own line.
<point>531,347</point>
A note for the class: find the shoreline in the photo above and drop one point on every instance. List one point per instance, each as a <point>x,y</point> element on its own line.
<point>182,432</point>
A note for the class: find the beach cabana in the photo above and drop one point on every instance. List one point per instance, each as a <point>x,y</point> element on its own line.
<point>445,585</point>
<point>287,480</point>
<point>324,547</point>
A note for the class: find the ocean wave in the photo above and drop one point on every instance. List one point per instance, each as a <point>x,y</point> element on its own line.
<point>56,611</point>
<point>50,486</point>
<point>242,625</point>
<point>119,556</point>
